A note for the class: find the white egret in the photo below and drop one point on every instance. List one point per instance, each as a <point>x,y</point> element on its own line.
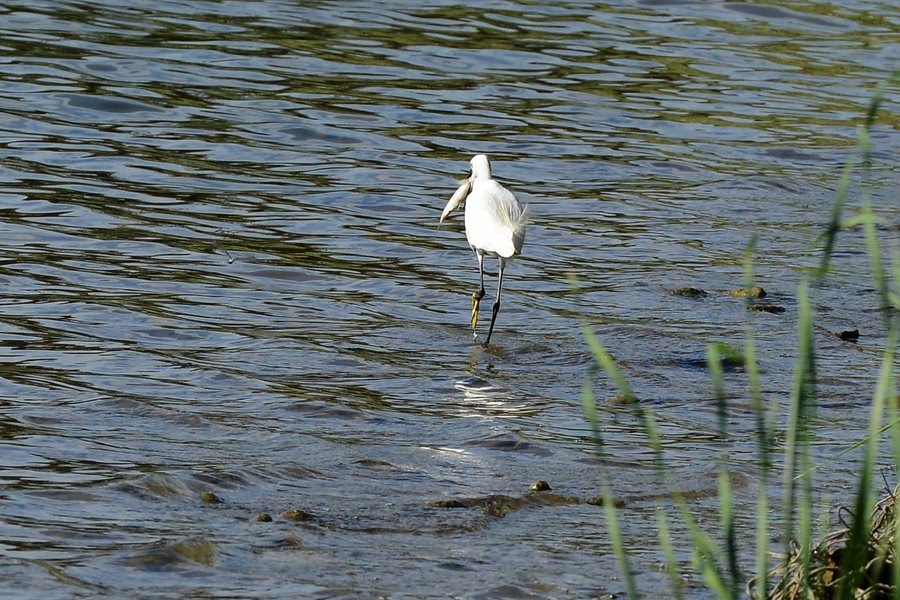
<point>495,226</point>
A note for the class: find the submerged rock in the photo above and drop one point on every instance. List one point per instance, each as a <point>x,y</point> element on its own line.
<point>769,308</point>
<point>446,504</point>
<point>689,292</point>
<point>754,292</point>
<point>500,505</point>
<point>298,515</point>
<point>210,498</point>
<point>598,501</point>
<point>623,399</point>
<point>849,335</point>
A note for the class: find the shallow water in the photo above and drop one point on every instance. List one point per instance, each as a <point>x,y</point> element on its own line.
<point>226,293</point>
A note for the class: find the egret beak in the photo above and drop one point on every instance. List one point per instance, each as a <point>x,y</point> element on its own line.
<point>465,186</point>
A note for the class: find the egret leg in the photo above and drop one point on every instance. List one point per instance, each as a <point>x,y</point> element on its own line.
<point>477,296</point>
<point>496,308</point>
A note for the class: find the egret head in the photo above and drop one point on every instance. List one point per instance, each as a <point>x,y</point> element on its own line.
<point>481,168</point>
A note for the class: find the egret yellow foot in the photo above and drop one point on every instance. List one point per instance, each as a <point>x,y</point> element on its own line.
<point>476,304</point>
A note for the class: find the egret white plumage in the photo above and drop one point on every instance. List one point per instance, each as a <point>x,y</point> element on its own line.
<point>495,226</point>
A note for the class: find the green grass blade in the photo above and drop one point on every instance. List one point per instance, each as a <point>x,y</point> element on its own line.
<point>764,437</point>
<point>609,508</point>
<point>665,540</point>
<point>707,555</point>
<point>714,365</point>
<point>834,224</point>
<point>855,554</point>
<point>726,517</point>
<point>891,425</point>
<point>894,415</point>
<point>606,362</point>
<point>799,413</point>
<point>714,355</point>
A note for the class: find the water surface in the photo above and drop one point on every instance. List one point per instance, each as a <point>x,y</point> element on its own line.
<point>225,293</point>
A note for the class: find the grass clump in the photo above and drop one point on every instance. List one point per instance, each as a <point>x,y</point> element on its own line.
<point>857,561</point>
<point>827,575</point>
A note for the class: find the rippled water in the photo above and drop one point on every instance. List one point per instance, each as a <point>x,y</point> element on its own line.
<point>225,293</point>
